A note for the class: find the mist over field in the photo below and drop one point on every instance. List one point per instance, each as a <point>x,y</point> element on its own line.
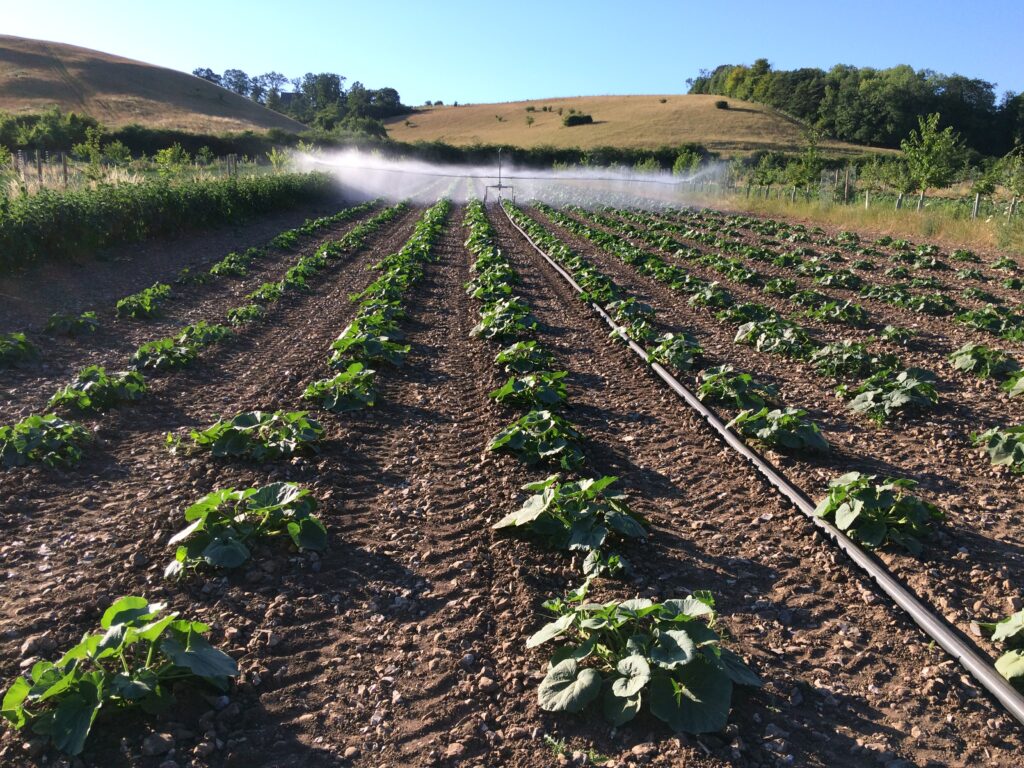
<point>365,175</point>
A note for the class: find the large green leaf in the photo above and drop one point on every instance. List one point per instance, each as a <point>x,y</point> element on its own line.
<point>619,711</point>
<point>1010,628</point>
<point>1011,666</point>
<point>703,703</point>
<point>550,631</point>
<point>225,551</point>
<point>308,533</point>
<point>74,717</point>
<point>133,688</point>
<point>11,709</point>
<point>738,671</point>
<point>635,673</point>
<point>674,648</point>
<point>127,610</point>
<point>568,687</point>
<point>197,655</point>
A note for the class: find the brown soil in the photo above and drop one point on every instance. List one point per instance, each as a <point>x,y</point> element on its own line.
<point>28,386</point>
<point>971,569</point>
<point>404,643</point>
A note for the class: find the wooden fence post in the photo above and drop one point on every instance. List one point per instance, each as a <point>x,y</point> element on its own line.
<point>64,166</point>
<point>977,202</point>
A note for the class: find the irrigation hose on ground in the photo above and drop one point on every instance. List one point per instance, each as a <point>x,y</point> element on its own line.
<point>933,625</point>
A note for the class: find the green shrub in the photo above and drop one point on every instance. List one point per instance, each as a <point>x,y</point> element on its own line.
<point>61,225</point>
<point>577,119</point>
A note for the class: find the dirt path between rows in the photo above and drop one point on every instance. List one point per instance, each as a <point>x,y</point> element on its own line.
<point>27,387</point>
<point>844,669</point>
<point>30,295</point>
<point>404,643</point>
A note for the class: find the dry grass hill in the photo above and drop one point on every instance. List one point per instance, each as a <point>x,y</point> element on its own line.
<point>35,74</point>
<point>645,122</point>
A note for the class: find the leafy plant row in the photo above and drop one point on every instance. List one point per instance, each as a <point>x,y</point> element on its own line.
<point>874,512</point>
<point>762,418</point>
<point>620,656</point>
<point>884,389</point>
<point>142,652</point>
<point>998,320</point>
<point>146,303</point>
<point>15,347</point>
<point>876,384</point>
<point>62,225</point>
<point>55,441</point>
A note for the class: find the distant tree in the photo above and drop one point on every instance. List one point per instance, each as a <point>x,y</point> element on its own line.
<point>932,155</point>
<point>898,177</point>
<point>359,101</point>
<point>257,91</point>
<point>236,80</point>
<point>205,156</point>
<point>529,121</point>
<point>273,81</point>
<point>686,162</point>
<point>323,90</point>
<point>208,74</point>
<point>805,173</point>
<point>171,160</point>
<point>768,169</point>
<point>91,151</point>
<point>1012,167</point>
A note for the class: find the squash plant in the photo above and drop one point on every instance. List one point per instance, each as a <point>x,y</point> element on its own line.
<point>15,348</point>
<point>1010,631</point>
<point>783,428</point>
<point>223,524</point>
<point>505,319</point>
<point>577,516</point>
<point>983,361</point>
<point>1004,446</point>
<point>72,325</point>
<point>639,652</point>
<point>350,390</point>
<point>723,384</point>
<point>540,389</point>
<point>525,357</point>
<point>874,513</point>
<point>676,350</point>
<point>257,435</point>
<point>138,657</point>
<point>94,390</point>
<point>541,436</point>
<point>145,303</point>
<point>888,392</point>
<point>46,439</point>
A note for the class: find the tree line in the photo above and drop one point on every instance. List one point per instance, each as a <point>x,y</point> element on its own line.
<point>318,100</point>
<point>878,107</point>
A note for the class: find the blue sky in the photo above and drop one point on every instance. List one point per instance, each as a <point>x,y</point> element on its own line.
<point>502,51</point>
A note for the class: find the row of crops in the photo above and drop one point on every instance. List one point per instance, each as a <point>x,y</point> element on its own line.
<point>874,511</point>
<point>620,656</point>
<point>142,651</point>
<point>612,657</point>
<point>55,438</point>
<point>61,225</point>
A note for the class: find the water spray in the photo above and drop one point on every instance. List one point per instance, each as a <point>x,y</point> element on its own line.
<point>364,175</point>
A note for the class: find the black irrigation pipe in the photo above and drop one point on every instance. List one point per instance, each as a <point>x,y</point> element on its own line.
<point>932,624</point>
